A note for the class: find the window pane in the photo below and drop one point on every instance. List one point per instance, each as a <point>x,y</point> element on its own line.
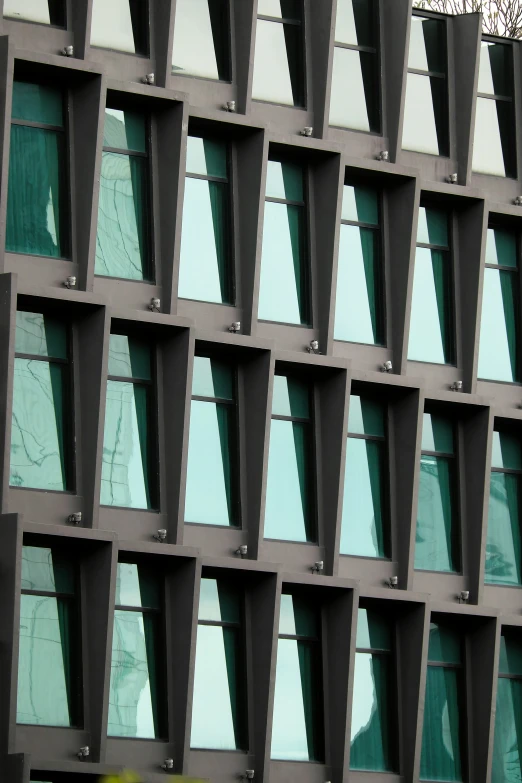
<point>425,123</point>
<point>373,632</point>
<point>506,451</point>
<point>501,248</point>
<point>122,239</point>
<point>205,264</point>
<point>125,477</point>
<point>437,434</point>
<point>36,202</point>
<point>510,660</point>
<point>121,25</point>
<point>136,586</point>
<point>212,378</point>
<point>207,157</point>
<point>278,64</point>
<point>45,570</point>
<point>495,69</point>
<point>44,662</point>
<point>441,740</point>
<point>43,11</point>
<point>355,22</point>
<point>283,294</point>
<point>508,729</point>
<point>444,645</point>
<point>38,424</point>
<point>432,227</point>
<point>436,541</point>
<point>37,103</point>
<point>370,746</point>
<point>288,512</point>
<point>201,39</point>
<point>354,92</point>
<point>360,204</point>
<point>365,417</point>
<point>362,526</point>
<point>290,397</point>
<point>427,45</point>
<point>358,308</point>
<point>503,546</point>
<point>218,602</point>
<point>133,700</point>
<point>298,616</point>
<point>498,353</point>
<point>124,130</point>
<point>431,329</point>
<point>493,150</point>
<point>40,335</point>
<point>281,9</point>
<point>129,357</point>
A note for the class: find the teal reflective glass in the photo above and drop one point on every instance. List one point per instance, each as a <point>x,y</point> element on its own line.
<point>284,181</point>
<point>124,130</point>
<point>365,417</point>
<point>436,540</point>
<point>504,545</point>
<point>40,335</point>
<point>437,434</point>
<point>444,645</point>
<point>212,378</point>
<point>290,397</point>
<point>499,334</point>
<point>442,734</point>
<point>373,632</point>
<point>506,765</point>
<point>506,451</point>
<point>363,517</point>
<point>218,602</point>
<point>360,205</point>
<point>501,248</point>
<point>129,357</point>
<point>135,586</point>
<point>207,157</point>
<point>369,740</point>
<point>201,39</point>
<point>432,227</point>
<point>40,11</point>
<point>510,659</point>
<point>431,326</point>
<point>297,617</point>
<point>121,25</point>
<point>46,571</point>
<point>37,103</point>
<point>278,61</point>
<point>355,22</point>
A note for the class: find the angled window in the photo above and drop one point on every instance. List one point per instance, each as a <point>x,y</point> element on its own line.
<point>499,330</point>
<point>371,743</point>
<point>442,735</point>
<point>136,685</point>
<point>37,201</point>
<point>359,305</point>
<point>426,106</point>
<point>290,498</point>
<point>206,266</point>
<point>49,668</point>
<point>364,522</point>
<point>129,459</point>
<point>123,239</point>
<point>122,25</point>
<point>279,67</point>
<point>494,147</point>
<point>212,492</point>
<point>40,434</point>
<point>503,547</point>
<point>431,325</point>
<point>42,11</point>
<point>202,39</point>
<point>355,99</point>
<point>284,294</point>
<point>218,707</point>
<point>297,727</point>
<point>507,748</point>
<point>437,544</point>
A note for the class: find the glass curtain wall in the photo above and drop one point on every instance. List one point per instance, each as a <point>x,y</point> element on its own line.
<point>123,239</point>
<point>206,266</point>
<point>202,39</point>
<point>297,727</point>
<point>48,659</point>
<point>355,95</point>
<point>359,304</point>
<point>37,200</point>
<point>135,701</point>
<point>42,11</point>
<point>279,64</point>
<point>129,458</point>
<point>431,325</point>
<point>426,127</point>
<point>494,148</point>
<point>122,25</point>
<point>212,482</point>
<point>364,525</point>
<point>499,331</point>
<point>503,546</point>
<point>290,496</point>
<point>218,707</point>
<point>507,767</point>
<point>437,544</point>
<point>371,743</point>
<point>284,294</point>
<point>40,432</point>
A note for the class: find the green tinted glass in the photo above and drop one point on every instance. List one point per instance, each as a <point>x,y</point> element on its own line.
<point>432,227</point>
<point>506,451</point>
<point>212,378</point>
<point>206,157</point>
<point>437,434</point>
<point>298,617</point>
<point>218,601</point>
<point>124,130</point>
<point>499,332</point>
<point>291,397</point>
<point>431,323</point>
<point>129,357</point>
<point>506,766</point>
<point>371,748</point>
<point>363,522</point>
<point>510,661</point>
<point>503,545</point>
<point>46,570</point>
<point>365,417</point>
<point>136,586</point>
<point>444,645</point>
<point>373,631</point>
<point>442,733</point>
<point>37,103</point>
<point>360,204</point>
<point>284,181</point>
<point>501,248</point>
<point>40,335</point>
<point>436,540</point>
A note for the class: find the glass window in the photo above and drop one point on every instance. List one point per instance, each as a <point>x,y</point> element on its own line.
<point>136,675</point>
<point>121,24</point>
<point>206,265</point>
<point>431,325</point>
<point>494,149</point>
<point>371,746</point>
<point>42,11</point>
<point>37,201</point>
<point>212,483</point>
<point>202,39</point>
<point>129,457</point>
<point>284,289</point>
<point>218,708</point>
<point>279,68</point>
<point>48,660</point>
<point>297,728</point>
<point>354,100</point>
<point>290,498</point>
<point>425,126</point>
<point>40,437</point>
<point>359,316</point>
<point>123,242</point>
<point>441,754</point>
<point>508,715</point>
<point>499,332</point>
<point>437,546</point>
<point>503,546</point>
<point>364,521</point>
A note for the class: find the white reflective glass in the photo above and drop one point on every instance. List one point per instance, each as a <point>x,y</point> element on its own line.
<point>289,739</point>
<point>271,80</point>
<point>426,342</point>
<point>284,512</point>
<point>345,29</point>
<point>355,293</point>
<point>488,157</point>
<point>348,100</point>
<point>30,10</point>
<point>270,8</point>
<point>278,289</point>
<point>111,26</point>
<point>417,57</point>
<point>494,357</point>
<point>419,131</point>
<point>485,79</point>
<point>193,50</point>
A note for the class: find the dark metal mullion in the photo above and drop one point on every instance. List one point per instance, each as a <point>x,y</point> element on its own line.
<point>280,20</point>
<point>279,417</point>
<point>444,665</point>
<point>215,400</point>
<point>286,202</point>
<point>133,153</point>
<point>441,248</point>
<point>219,623</point>
<point>372,651</point>
<point>36,358</point>
<point>123,379</point>
<point>494,97</point>
<point>358,436</point>
<point>48,594</point>
<point>507,676</point>
<point>38,125</point>
<point>295,638</point>
<point>431,74</point>
<point>139,609</point>
<point>512,269</point>
<point>207,177</point>
<point>445,454</point>
<point>510,471</point>
<point>359,224</point>
<point>355,47</point>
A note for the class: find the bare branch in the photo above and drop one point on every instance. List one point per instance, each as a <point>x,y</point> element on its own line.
<point>500,17</point>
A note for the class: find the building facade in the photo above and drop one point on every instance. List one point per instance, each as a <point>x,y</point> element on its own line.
<point>260,392</point>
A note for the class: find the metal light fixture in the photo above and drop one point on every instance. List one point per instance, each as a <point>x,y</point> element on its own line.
<point>160,535</point>
<point>75,519</point>
<point>242,550</point>
<point>68,51</point>
<point>463,597</point>
<point>456,386</point>
<point>452,178</point>
<point>235,327</point>
<point>168,764</point>
<point>313,347</point>
<point>307,131</point>
<point>249,774</point>
<point>70,282</point>
<point>317,567</point>
<point>383,155</point>
<point>518,201</point>
<point>149,78</point>
<point>84,752</point>
<point>155,305</point>
<point>230,106</point>
<point>393,582</point>
<point>387,366</point>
